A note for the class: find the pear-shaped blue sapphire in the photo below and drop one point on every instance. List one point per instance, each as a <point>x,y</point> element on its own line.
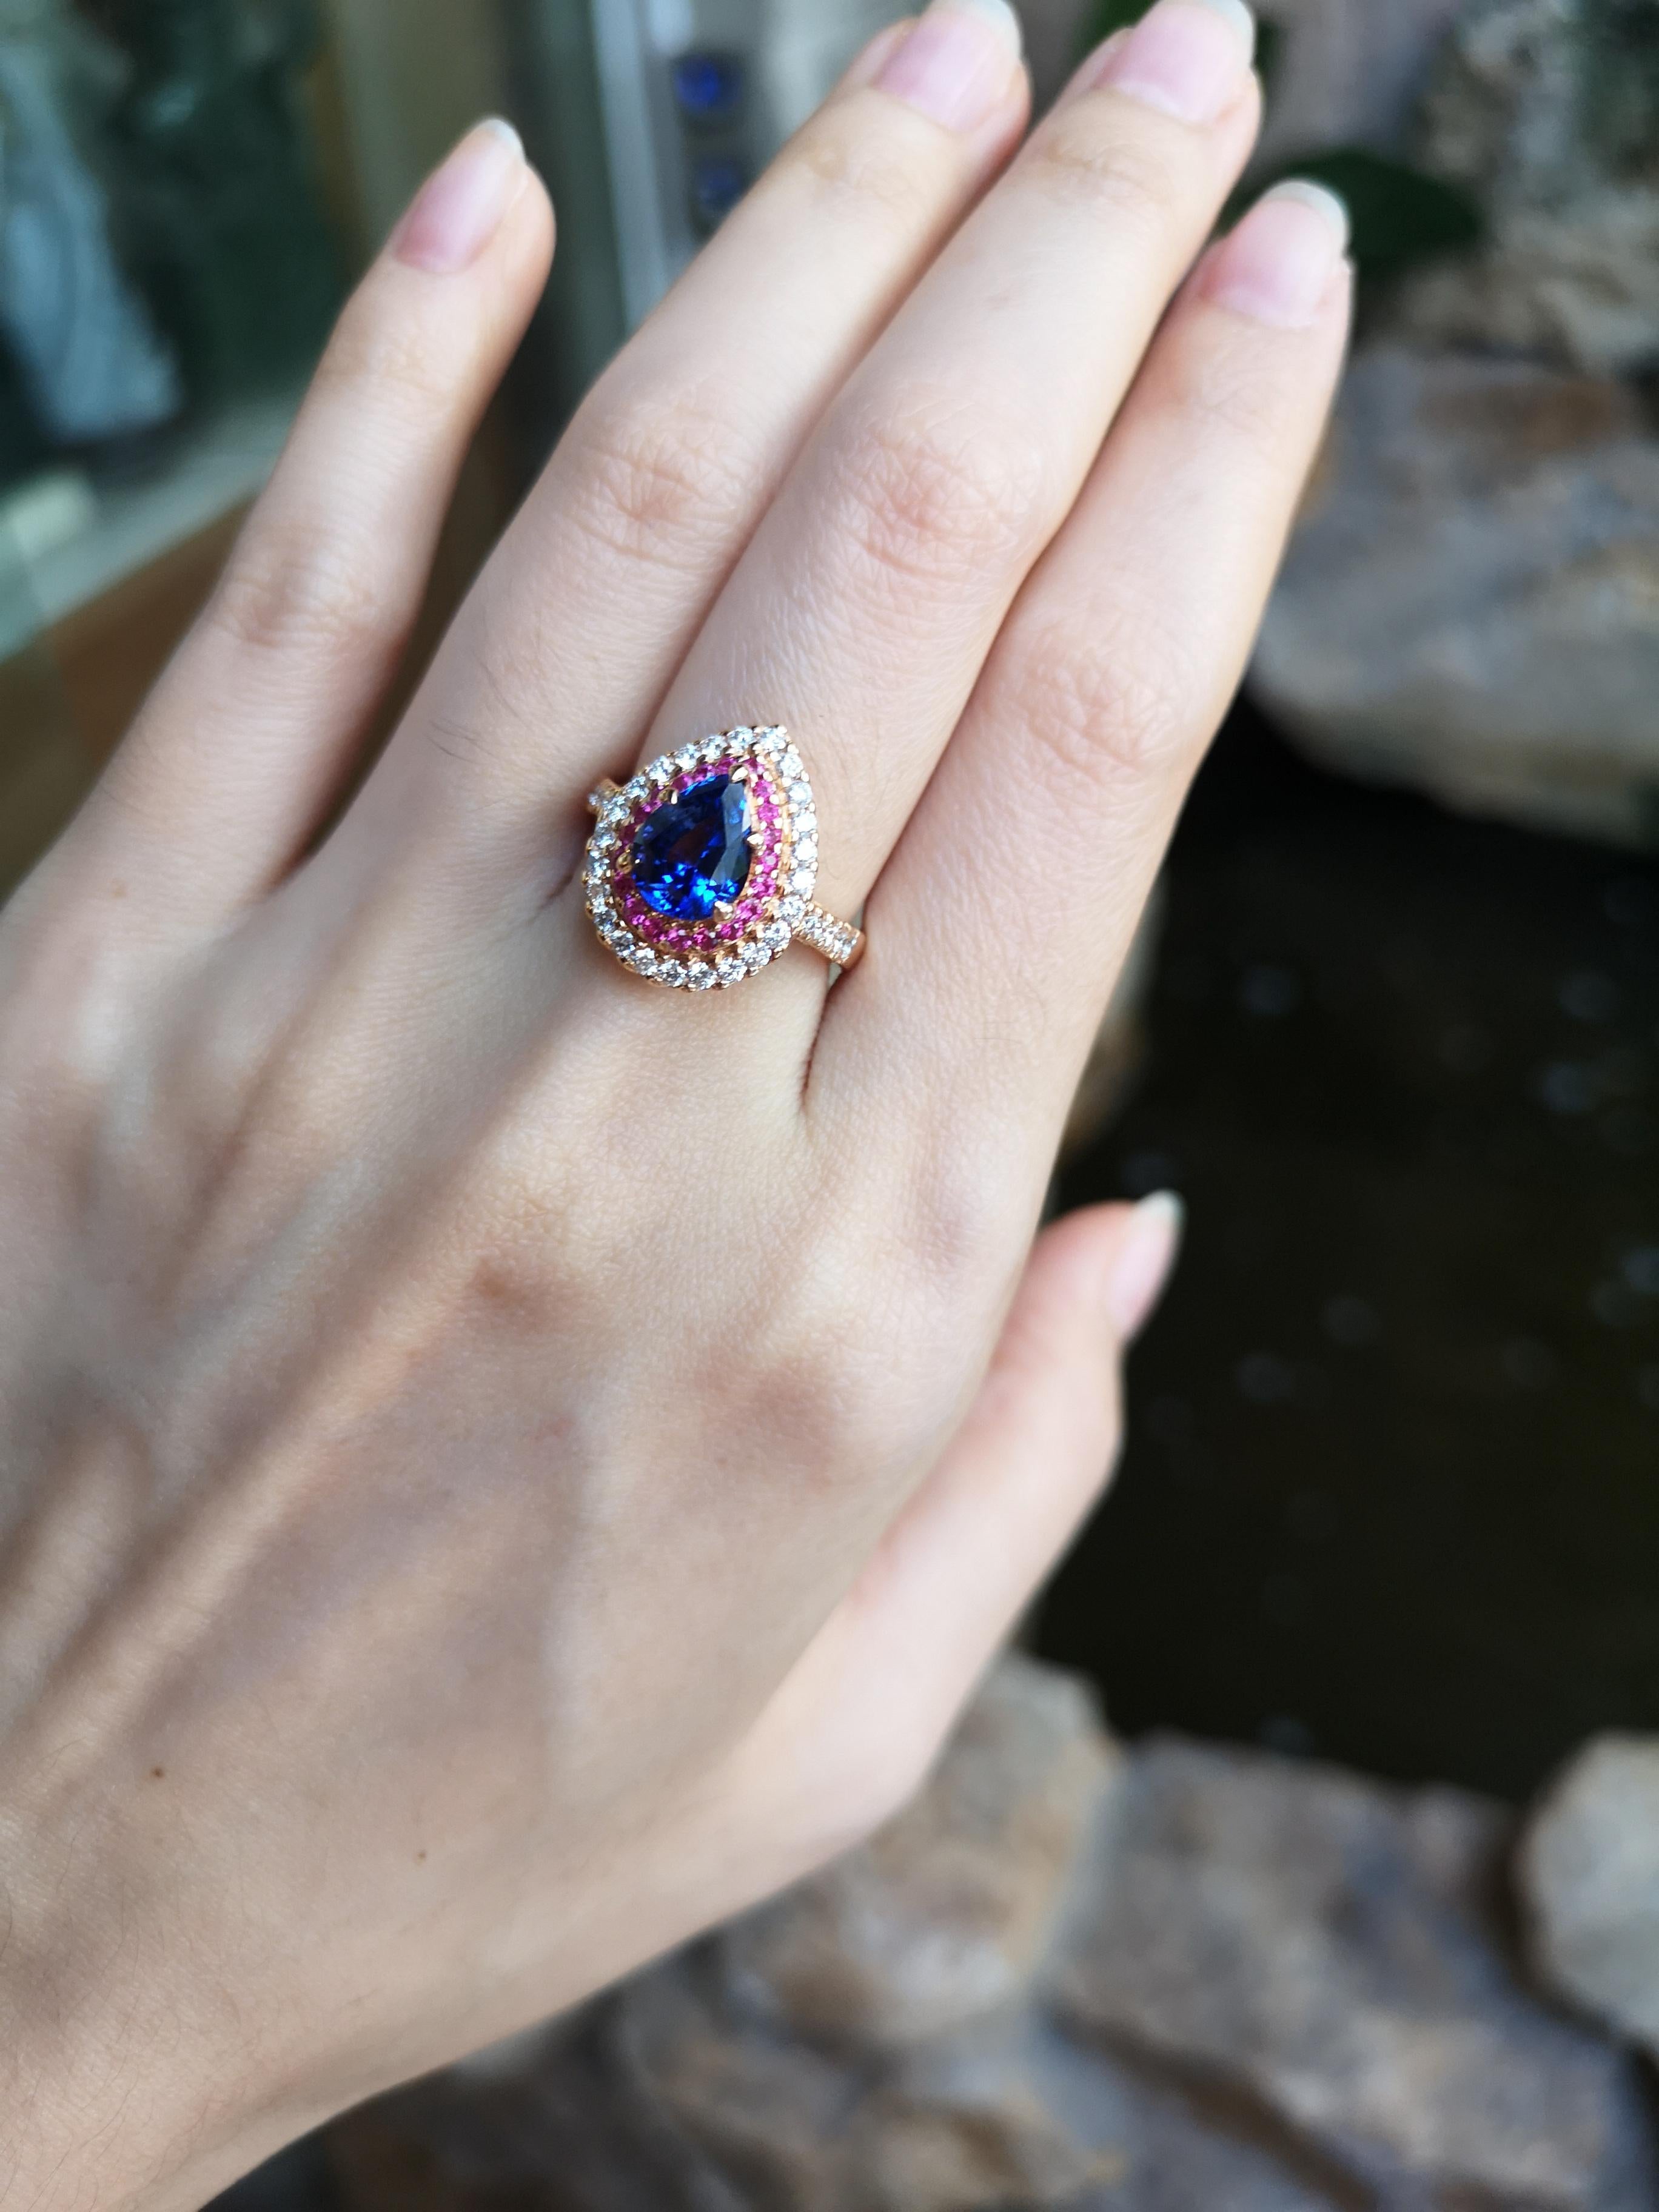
<point>693,855</point>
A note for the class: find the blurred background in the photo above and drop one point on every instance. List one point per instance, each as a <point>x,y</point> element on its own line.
<point>1390,1494</point>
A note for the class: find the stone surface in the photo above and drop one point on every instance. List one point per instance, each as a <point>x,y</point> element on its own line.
<point>1549,114</point>
<point>1590,1871</point>
<point>1326,1952</point>
<point>1472,604</point>
<point>1068,1979</point>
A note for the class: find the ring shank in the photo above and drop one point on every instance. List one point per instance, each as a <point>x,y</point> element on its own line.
<point>838,942</point>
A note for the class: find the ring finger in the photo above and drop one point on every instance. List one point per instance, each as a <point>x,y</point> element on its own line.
<point>873,592</point>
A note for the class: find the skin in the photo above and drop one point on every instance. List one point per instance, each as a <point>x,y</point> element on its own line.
<point>505,1466</point>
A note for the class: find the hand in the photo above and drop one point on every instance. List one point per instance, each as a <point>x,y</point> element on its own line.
<point>507,1463</point>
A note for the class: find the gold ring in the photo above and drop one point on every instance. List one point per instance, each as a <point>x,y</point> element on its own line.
<point>701,871</point>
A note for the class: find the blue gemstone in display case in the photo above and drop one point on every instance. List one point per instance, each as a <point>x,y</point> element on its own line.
<point>718,181</point>
<point>694,854</point>
<point>708,87</point>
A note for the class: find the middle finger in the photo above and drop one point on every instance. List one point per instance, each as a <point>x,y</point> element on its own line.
<point>865,608</point>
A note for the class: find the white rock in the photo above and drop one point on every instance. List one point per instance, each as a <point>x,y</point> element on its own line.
<point>1472,604</point>
<point>1589,1869</point>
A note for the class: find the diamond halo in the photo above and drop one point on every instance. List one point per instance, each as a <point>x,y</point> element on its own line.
<point>741,805</point>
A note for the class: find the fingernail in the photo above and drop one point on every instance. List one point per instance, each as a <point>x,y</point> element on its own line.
<point>1277,267</point>
<point>459,208</point>
<point>1146,1261</point>
<point>1189,58</point>
<point>874,57</point>
<point>957,63</point>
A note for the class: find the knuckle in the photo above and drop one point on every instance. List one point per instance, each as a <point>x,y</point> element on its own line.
<point>1119,706</point>
<point>935,490</point>
<point>660,479</point>
<point>395,361</point>
<point>1230,390</point>
<point>298,591</point>
<point>849,166</point>
<point>1134,164</point>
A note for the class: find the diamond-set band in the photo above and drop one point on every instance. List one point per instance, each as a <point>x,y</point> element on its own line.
<point>701,870</point>
<point>838,941</point>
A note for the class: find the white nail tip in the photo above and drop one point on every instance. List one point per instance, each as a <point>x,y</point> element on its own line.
<point>1305,194</point>
<point>501,129</point>
<point>1002,18</point>
<point>1242,18</point>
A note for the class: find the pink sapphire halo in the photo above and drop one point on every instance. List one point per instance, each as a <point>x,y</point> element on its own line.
<point>701,872</point>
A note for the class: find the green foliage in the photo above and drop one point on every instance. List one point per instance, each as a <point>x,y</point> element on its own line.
<point>1108,17</point>
<point>1620,50</point>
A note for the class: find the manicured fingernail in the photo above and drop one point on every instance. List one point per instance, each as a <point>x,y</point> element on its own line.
<point>869,64</point>
<point>1146,1261</point>
<point>957,63</point>
<point>1279,264</point>
<point>1190,57</point>
<point>459,208</point>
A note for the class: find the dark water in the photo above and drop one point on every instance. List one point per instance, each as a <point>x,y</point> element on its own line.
<point>1391,1492</point>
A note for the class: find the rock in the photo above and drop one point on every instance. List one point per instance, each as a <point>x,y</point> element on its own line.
<point>1350,73</point>
<point>1472,604</point>
<point>1590,1871</point>
<point>1326,1953</point>
<point>1068,1980</point>
<point>1548,111</point>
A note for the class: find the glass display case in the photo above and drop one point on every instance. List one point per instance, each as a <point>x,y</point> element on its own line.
<point>170,263</point>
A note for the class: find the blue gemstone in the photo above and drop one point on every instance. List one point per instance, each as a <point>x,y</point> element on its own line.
<point>693,855</point>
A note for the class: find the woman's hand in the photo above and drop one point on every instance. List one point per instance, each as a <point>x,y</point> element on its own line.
<point>506,1463</point>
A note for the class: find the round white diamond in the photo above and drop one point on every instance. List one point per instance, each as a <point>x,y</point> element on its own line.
<point>792,910</point>
<point>700,975</point>
<point>775,935</point>
<point>800,794</point>
<point>639,788</point>
<point>805,826</point>
<point>771,742</point>
<point>620,940</point>
<point>661,775</point>
<point>727,968</point>
<point>806,853</point>
<point>755,954</point>
<point>689,756</point>
<point>802,882</point>
<point>643,960</point>
<point>794,767</point>
<point>672,971</point>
